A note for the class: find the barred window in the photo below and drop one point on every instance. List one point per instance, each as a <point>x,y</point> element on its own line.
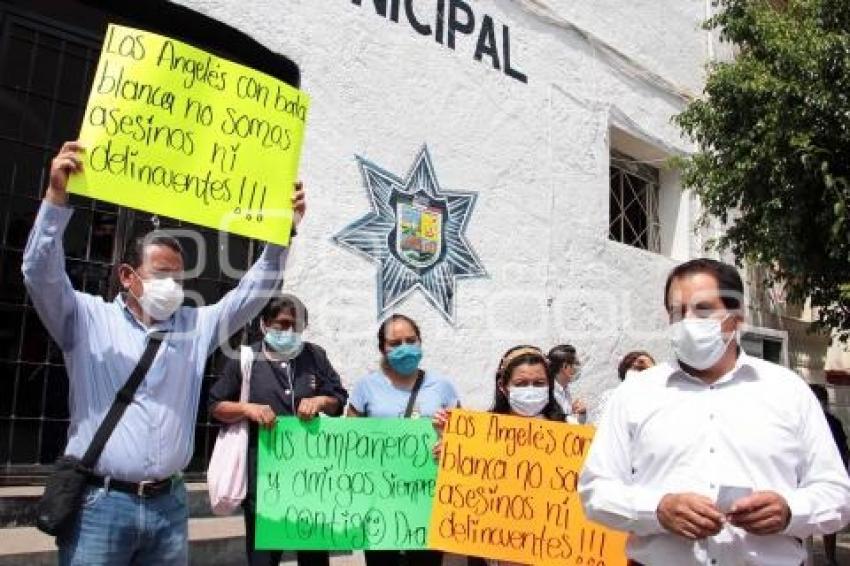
<point>633,205</point>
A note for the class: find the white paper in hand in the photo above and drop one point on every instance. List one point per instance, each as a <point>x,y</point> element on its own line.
<point>729,494</point>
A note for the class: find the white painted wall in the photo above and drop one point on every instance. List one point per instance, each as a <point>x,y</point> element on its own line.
<point>536,154</point>
<point>838,356</point>
<point>664,37</point>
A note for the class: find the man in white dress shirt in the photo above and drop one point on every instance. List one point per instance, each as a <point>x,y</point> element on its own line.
<point>717,458</point>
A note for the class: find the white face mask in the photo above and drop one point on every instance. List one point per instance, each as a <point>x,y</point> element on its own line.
<point>699,342</point>
<point>631,373</point>
<point>161,297</point>
<point>528,401</point>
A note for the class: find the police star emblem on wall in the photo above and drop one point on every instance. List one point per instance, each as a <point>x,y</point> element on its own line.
<point>415,233</point>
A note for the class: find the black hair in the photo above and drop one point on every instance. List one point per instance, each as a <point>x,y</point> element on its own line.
<point>382,330</point>
<point>286,301</point>
<point>501,405</point>
<point>560,356</point>
<point>728,280</point>
<point>629,359</point>
<point>134,253</point>
<point>820,392</point>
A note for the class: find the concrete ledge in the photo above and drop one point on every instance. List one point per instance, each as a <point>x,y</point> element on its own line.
<point>22,491</point>
<point>17,504</point>
<point>24,540</point>
<point>208,528</point>
<point>27,541</point>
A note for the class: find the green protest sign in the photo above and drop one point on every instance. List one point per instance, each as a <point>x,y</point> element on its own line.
<point>345,484</point>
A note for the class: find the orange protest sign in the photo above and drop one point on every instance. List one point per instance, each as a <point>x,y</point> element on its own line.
<point>507,489</point>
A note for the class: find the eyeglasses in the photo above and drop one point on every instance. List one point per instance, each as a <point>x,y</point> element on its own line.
<point>178,276</point>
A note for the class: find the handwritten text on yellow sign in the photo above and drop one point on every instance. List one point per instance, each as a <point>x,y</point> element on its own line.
<point>507,489</point>
<point>174,130</point>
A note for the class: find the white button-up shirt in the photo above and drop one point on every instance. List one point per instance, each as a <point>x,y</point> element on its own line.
<point>759,426</point>
<point>563,397</point>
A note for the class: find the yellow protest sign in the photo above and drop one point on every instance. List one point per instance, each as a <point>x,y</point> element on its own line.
<point>173,130</point>
<point>507,489</point>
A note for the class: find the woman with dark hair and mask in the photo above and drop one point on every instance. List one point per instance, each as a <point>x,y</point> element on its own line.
<point>289,376</point>
<point>401,389</point>
<point>524,388</point>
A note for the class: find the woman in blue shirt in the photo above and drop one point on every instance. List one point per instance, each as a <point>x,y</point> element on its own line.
<point>388,392</point>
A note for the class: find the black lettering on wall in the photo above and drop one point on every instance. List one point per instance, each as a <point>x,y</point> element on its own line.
<point>455,25</point>
<point>449,23</point>
<point>506,45</point>
<point>441,18</point>
<point>422,29</point>
<point>487,42</point>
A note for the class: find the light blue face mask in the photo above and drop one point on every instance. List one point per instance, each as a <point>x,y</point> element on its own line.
<point>286,343</point>
<point>405,358</point>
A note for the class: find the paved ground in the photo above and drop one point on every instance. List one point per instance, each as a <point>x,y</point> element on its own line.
<point>21,540</point>
<point>356,559</point>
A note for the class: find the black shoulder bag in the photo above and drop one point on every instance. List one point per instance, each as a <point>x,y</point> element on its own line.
<point>63,492</point>
<point>413,393</point>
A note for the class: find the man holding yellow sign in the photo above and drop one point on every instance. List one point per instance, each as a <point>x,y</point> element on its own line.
<point>134,509</point>
<point>158,135</point>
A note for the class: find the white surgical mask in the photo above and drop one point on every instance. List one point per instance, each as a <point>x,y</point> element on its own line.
<point>631,373</point>
<point>528,401</point>
<point>699,342</point>
<point>161,297</point>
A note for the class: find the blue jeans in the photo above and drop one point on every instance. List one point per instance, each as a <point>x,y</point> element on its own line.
<point>115,528</point>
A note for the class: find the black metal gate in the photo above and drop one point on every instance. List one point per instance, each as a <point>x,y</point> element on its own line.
<point>48,55</point>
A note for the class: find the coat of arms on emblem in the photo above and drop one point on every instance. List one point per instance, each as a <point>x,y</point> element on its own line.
<point>419,232</point>
<point>416,233</point>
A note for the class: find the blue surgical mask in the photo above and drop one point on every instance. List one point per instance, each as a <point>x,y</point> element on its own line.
<point>286,343</point>
<point>405,358</point>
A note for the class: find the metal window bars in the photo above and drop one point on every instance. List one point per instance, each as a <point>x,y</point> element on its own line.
<point>633,206</point>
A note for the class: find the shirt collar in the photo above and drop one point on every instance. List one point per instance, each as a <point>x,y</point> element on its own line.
<point>163,326</point>
<point>744,369</point>
<point>559,389</point>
